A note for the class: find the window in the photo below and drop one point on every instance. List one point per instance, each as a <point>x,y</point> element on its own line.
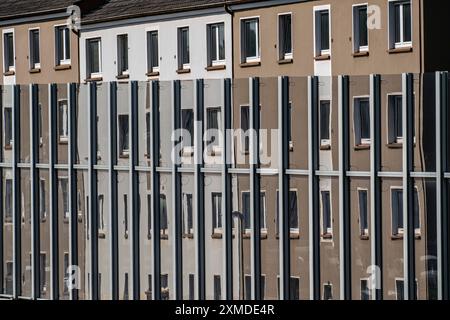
<point>363,218</point>
<point>217,288</point>
<point>183,48</point>
<point>322,32</point>
<point>400,289</point>
<point>42,202</point>
<point>395,130</point>
<point>152,52</point>
<point>63,121</point>
<point>400,26</point>
<point>216,44</point>
<point>187,124</point>
<point>325,123</point>
<point>149,291</point>
<point>40,125</point>
<point>149,216</point>
<point>213,123</point>
<point>9,278</point>
<point>191,287</point>
<point>125,215</point>
<point>285,36</point>
<point>397,211</point>
<point>294,293</point>
<point>245,126</point>
<point>148,134</point>
<point>291,142</point>
<point>163,213</point>
<point>8,199</point>
<point>101,216</point>
<point>122,55</point>
<point>124,139</point>
<point>187,214</point>
<point>361,114</point>
<point>217,212</point>
<point>125,287</point>
<point>327,291</point>
<point>35,59</point>
<point>65,197</point>
<point>293,212</point>
<point>327,229</point>
<point>62,45</point>
<point>42,273</point>
<point>165,287</point>
<point>250,40</point>
<point>248,287</point>
<point>365,291</point>
<point>94,57</point>
<point>246,211</point>
<point>66,273</point>
<point>360,30</point>
<point>8,52</point>
<point>8,127</point>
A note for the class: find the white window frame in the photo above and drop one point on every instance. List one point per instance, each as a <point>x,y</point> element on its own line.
<point>60,179</point>
<point>326,142</point>
<point>124,152</point>
<point>286,55</point>
<point>323,290</point>
<point>190,231</point>
<point>366,231</point>
<point>398,140</point>
<point>391,21</point>
<point>217,62</point>
<point>400,231</point>
<point>360,288</point>
<point>147,31</point>
<point>403,280</point>
<point>64,61</point>
<point>329,230</point>
<point>30,46</point>
<point>9,143</point>
<point>256,58</point>
<point>217,230</point>
<point>365,141</point>
<point>65,136</point>
<point>292,231</point>
<point>127,71</point>
<point>217,149</point>
<point>100,69</point>
<point>184,66</point>
<point>43,216</point>
<point>13,67</point>
<point>317,33</point>
<point>355,24</point>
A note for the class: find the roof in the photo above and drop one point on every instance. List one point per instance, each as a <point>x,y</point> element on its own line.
<point>19,8</point>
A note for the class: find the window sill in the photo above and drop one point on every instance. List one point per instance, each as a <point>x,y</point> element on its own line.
<point>124,156</point>
<point>250,64</point>
<point>152,74</point>
<point>35,70</point>
<point>394,145</point>
<point>360,54</point>
<point>397,237</point>
<point>8,147</point>
<point>216,236</point>
<point>65,141</point>
<point>292,236</point>
<point>164,237</point>
<point>215,68</point>
<point>9,73</point>
<point>325,147</point>
<point>188,236</point>
<point>182,71</point>
<point>8,220</point>
<point>66,220</point>
<point>246,235</point>
<point>364,237</point>
<point>362,147</point>
<point>327,236</point>
<point>62,67</point>
<point>101,235</point>
<point>322,57</point>
<point>122,76</point>
<point>286,61</point>
<point>96,79</point>
<point>400,50</point>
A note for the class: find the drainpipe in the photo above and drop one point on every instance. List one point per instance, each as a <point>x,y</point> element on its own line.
<point>231,13</point>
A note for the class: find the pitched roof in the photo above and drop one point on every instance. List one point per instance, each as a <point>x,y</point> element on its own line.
<point>14,8</point>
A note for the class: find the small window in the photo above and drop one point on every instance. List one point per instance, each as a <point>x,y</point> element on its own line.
<point>325,124</point>
<point>7,111</point>
<point>322,32</point>
<point>360,30</point>
<point>291,142</point>
<point>64,183</point>
<point>9,277</point>
<point>183,48</point>
<point>149,291</point>
<point>395,119</point>
<point>124,138</point>
<point>191,287</point>
<point>187,214</point>
<point>35,58</point>
<point>245,126</point>
<point>400,289</point>
<point>165,287</point>
<point>250,40</point>
<point>293,212</point>
<point>217,288</point>
<point>8,199</point>
<point>213,126</point>
<point>126,294</point>
<point>8,51</point>
<point>42,200</point>
<point>327,229</point>
<point>187,124</point>
<point>63,121</point>
<point>148,135</point>
<point>42,273</point>
<point>125,215</point>
<point>285,36</point>
<point>327,291</point>
<point>400,24</point>
<point>152,52</point>
<point>94,57</point>
<point>149,216</point>
<point>248,287</point>
<point>40,125</point>
<point>216,44</point>
<point>217,212</point>
<point>361,115</point>
<point>397,211</point>
<point>101,215</point>
<point>163,213</point>
<point>246,211</point>
<point>62,36</point>
<point>365,291</point>
<point>363,216</point>
<point>294,293</point>
<point>66,274</point>
<point>122,54</point>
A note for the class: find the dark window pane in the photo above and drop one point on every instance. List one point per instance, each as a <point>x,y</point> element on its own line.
<point>365,118</point>
<point>397,22</point>
<point>363,35</point>
<point>324,30</point>
<point>407,22</point>
<point>187,123</point>
<point>324,120</point>
<point>246,209</point>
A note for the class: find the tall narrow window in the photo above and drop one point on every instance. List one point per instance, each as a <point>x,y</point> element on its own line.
<point>62,45</point>
<point>101,215</point>
<point>213,123</point>
<point>399,289</point>
<point>66,273</point>
<point>9,278</point>
<point>165,287</point>
<point>124,138</point>
<point>400,24</point>
<point>285,36</point>
<point>152,52</point>
<point>263,212</point>
<point>216,44</point>
<point>7,111</point>
<point>395,129</point>
<point>183,49</point>
<point>8,200</point>
<point>149,291</point>
<point>217,288</point>
<point>94,58</point>
<point>125,215</point>
<point>42,273</point>
<point>250,51</point>
<point>325,123</point>
<point>360,30</point>
<point>327,230</point>
<point>327,291</point>
<point>187,214</point>
<point>42,200</point>
<point>294,293</point>
<point>40,125</point>
<point>361,114</point>
<point>35,58</point>
<point>293,212</point>
<point>191,287</point>
<point>125,287</point>
<point>148,135</point>
<point>217,212</point>
<point>149,216</point>
<point>9,52</point>
<point>322,32</point>
<point>246,210</point>
<point>187,124</point>
<point>163,213</point>
<point>65,197</point>
<point>122,55</point>
<point>363,217</point>
<point>397,211</point>
<point>63,121</point>
<point>245,126</point>
<point>365,291</point>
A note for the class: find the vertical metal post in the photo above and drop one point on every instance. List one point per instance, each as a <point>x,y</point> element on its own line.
<point>72,158</point>
<point>344,190</point>
<point>134,189</point>
<point>255,188</point>
<point>34,181</point>
<point>155,159</point>
<point>314,209</point>
<point>114,244</point>
<point>283,185</point>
